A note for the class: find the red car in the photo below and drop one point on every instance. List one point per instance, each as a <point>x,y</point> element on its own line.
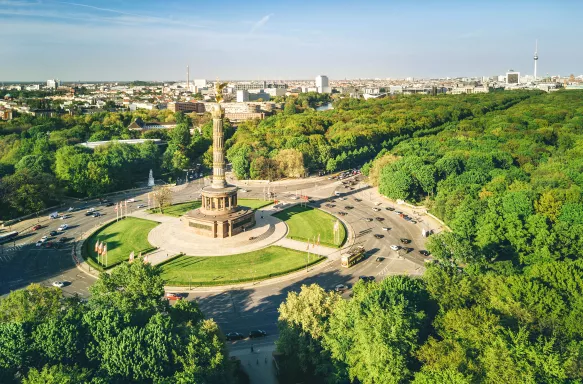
<point>173,296</point>
<point>37,227</point>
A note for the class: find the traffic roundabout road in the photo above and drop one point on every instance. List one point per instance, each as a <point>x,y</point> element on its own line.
<point>251,305</point>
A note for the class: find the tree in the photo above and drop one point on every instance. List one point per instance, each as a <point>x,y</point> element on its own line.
<point>30,304</point>
<point>162,197</point>
<point>291,163</point>
<point>58,374</point>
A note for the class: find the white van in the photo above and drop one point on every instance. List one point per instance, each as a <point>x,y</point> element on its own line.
<point>54,215</point>
<point>337,193</point>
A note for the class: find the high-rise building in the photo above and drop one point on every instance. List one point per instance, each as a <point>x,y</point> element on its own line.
<point>322,84</point>
<point>242,96</point>
<point>200,83</point>
<point>53,83</point>
<point>512,77</point>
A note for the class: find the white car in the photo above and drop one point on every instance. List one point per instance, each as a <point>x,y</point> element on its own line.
<point>91,210</point>
<point>141,206</point>
<point>39,243</point>
<point>340,288</point>
<point>376,209</point>
<point>385,228</point>
<point>395,247</point>
<point>71,209</point>
<point>65,217</point>
<point>58,284</point>
<point>43,239</point>
<point>244,190</point>
<point>377,203</point>
<point>132,200</point>
<point>63,227</point>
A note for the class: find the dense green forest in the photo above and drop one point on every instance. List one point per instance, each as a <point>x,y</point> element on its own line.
<point>125,333</point>
<point>503,303</point>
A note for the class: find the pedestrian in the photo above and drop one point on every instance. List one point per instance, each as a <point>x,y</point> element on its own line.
<point>257,361</point>
<point>251,348</point>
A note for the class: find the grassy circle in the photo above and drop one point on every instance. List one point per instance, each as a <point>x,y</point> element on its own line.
<point>306,223</point>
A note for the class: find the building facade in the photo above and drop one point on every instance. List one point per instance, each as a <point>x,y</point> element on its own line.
<point>186,107</point>
<point>322,84</point>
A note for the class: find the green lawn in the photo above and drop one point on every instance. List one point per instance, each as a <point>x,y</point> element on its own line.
<point>129,234</point>
<point>219,270</point>
<point>180,209</point>
<point>305,223</point>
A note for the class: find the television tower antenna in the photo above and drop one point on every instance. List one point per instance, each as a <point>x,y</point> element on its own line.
<point>188,78</point>
<point>535,58</point>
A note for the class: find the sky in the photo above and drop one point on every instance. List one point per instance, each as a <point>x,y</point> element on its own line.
<point>92,40</point>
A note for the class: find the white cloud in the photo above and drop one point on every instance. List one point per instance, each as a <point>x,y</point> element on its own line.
<point>260,23</point>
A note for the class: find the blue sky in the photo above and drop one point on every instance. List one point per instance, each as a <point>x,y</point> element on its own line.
<point>155,40</point>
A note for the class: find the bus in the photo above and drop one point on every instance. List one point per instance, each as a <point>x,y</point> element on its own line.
<point>4,238</point>
<point>353,256</point>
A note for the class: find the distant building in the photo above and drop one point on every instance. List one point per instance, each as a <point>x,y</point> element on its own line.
<point>512,77</point>
<point>43,112</point>
<point>242,116</point>
<point>53,83</point>
<point>5,114</point>
<point>186,107</point>
<point>242,96</point>
<point>257,85</point>
<point>469,89</point>
<point>274,92</point>
<point>95,144</point>
<point>322,84</point>
<point>200,83</point>
<point>141,126</point>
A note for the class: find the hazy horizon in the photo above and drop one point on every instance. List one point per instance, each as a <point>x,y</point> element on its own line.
<point>151,41</point>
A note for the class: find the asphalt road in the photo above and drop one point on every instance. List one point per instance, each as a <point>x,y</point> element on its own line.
<point>240,310</point>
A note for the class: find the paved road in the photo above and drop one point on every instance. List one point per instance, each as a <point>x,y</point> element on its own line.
<point>242,310</point>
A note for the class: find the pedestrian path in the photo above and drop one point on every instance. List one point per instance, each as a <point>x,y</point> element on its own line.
<point>301,246</point>
<point>257,364</point>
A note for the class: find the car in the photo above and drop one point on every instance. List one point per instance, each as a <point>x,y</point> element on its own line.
<point>378,236</point>
<point>385,228</point>
<point>44,238</point>
<point>91,209</point>
<point>53,233</point>
<point>377,203</point>
<point>424,252</point>
<point>349,207</point>
<point>39,243</point>
<point>366,278</point>
<point>397,212</point>
<point>37,227</point>
<point>379,259</point>
<point>379,218</point>
<point>132,200</point>
<point>390,208</point>
<point>344,198</point>
<point>88,213</point>
<point>357,199</point>
<point>368,219</point>
<point>172,296</point>
<point>71,209</point>
<point>58,284</point>
<point>342,213</point>
<point>395,247</point>
<point>48,244</point>
<point>64,217</point>
<point>244,191</point>
<point>252,238</point>
<point>141,206</point>
<point>110,204</point>
<point>63,239</point>
<point>413,222</point>
<point>234,336</point>
<point>96,214</point>
<point>330,205</point>
<point>63,227</point>
<point>340,288</point>
<point>257,333</point>
<point>376,209</point>
<point>405,241</point>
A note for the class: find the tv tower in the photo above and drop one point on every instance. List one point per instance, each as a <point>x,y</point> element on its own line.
<point>535,58</point>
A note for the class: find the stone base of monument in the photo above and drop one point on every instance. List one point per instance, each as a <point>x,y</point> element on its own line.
<point>220,225</point>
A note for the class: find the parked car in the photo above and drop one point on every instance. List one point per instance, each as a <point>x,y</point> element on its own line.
<point>234,336</point>
<point>377,203</point>
<point>349,207</point>
<point>58,284</point>
<point>48,244</point>
<point>91,209</point>
<point>44,238</point>
<point>376,209</point>
<point>110,204</point>
<point>257,333</point>
<point>53,233</point>
<point>63,239</point>
<point>424,252</point>
<point>342,213</point>
<point>141,206</point>
<point>88,213</point>
<point>64,217</point>
<point>395,247</point>
<point>132,200</point>
<point>63,227</point>
<point>378,236</point>
<point>96,214</point>
<point>397,212</point>
<point>405,241</point>
<point>340,288</point>
<point>379,259</point>
<point>390,208</point>
<point>71,209</point>
<point>368,219</point>
<point>366,278</point>
<point>386,228</point>
<point>37,227</point>
<point>357,199</point>
<point>39,243</point>
<point>379,218</point>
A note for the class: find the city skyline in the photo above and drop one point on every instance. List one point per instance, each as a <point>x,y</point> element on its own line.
<point>104,40</point>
